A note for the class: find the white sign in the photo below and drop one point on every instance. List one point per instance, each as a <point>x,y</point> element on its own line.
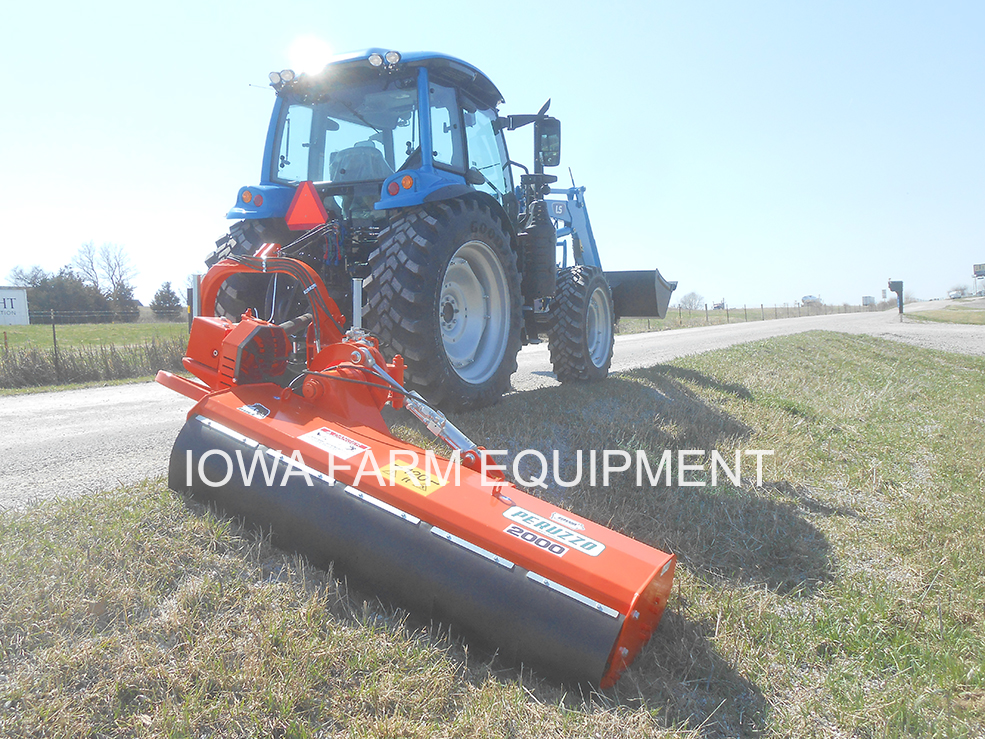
<point>338,445</point>
<point>13,306</point>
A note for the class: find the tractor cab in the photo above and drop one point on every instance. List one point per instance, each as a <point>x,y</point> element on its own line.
<point>375,131</point>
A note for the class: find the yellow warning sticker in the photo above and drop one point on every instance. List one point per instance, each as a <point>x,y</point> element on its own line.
<point>412,478</point>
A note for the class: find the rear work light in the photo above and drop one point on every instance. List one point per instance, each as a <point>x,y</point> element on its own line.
<point>391,59</point>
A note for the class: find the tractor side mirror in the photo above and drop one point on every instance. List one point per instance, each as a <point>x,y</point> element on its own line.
<point>547,141</point>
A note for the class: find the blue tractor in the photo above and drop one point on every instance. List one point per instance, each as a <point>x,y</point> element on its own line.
<point>418,223</point>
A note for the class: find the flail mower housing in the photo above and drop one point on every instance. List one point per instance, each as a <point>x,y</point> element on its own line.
<point>287,431</point>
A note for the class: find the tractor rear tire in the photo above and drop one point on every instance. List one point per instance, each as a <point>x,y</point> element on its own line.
<point>242,291</point>
<point>581,325</point>
<point>445,294</point>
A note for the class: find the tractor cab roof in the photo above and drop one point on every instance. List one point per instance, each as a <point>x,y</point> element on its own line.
<point>453,71</point>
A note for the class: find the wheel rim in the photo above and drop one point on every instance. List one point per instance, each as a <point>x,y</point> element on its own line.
<point>598,327</point>
<point>474,312</point>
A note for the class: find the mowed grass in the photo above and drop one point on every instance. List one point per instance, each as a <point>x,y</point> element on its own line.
<point>842,597</point>
<point>953,314</point>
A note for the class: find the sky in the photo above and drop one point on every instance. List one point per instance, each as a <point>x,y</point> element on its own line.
<point>755,152</point>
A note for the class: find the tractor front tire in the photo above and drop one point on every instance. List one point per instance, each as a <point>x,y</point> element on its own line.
<point>581,323</point>
<point>242,291</point>
<point>445,294</point>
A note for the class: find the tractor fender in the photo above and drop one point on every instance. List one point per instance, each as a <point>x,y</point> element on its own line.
<point>434,187</point>
<point>254,202</point>
<point>448,192</point>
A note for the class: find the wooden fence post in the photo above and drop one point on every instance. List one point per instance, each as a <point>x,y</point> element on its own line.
<point>54,341</point>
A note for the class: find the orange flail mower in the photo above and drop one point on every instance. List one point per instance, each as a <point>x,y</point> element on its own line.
<point>301,447</point>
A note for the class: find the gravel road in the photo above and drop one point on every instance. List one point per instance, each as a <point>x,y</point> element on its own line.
<point>74,442</point>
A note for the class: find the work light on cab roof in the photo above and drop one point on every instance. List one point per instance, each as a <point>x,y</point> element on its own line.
<point>281,77</point>
<point>390,58</point>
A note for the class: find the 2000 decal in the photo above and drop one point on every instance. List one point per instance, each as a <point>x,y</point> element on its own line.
<point>538,541</point>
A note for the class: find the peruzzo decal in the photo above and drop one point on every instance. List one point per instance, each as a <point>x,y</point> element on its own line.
<point>562,534</point>
<point>538,541</point>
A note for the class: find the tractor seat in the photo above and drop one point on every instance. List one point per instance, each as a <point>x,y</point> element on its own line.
<point>360,162</point>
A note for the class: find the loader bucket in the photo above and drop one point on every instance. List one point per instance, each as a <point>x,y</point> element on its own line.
<point>640,293</point>
<point>543,586</point>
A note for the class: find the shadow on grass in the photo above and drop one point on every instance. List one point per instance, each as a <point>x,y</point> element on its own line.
<point>680,674</point>
<point>728,536</point>
<point>742,538</point>
<point>669,371</point>
<point>742,534</point>
<point>679,677</point>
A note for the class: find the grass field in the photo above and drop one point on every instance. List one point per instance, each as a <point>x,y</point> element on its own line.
<point>87,353</point>
<point>93,334</point>
<point>843,597</point>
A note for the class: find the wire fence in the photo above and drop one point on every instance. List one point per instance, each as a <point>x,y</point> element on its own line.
<point>679,317</point>
<point>39,365</point>
<point>35,366</point>
<point>46,317</point>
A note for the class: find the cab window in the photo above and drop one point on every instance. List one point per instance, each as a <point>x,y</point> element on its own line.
<point>446,129</point>
<point>487,152</point>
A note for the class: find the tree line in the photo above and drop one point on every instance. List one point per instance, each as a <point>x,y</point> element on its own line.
<point>95,287</point>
